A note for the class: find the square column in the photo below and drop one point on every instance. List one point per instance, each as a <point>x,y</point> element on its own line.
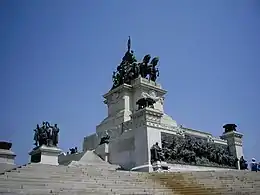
<point>234,141</point>
<point>146,133</point>
<point>45,155</point>
<point>103,151</point>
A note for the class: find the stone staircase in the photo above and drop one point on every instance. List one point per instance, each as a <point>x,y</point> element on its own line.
<point>101,179</point>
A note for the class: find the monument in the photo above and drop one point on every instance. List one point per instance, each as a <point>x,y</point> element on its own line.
<point>46,141</point>
<point>138,135</point>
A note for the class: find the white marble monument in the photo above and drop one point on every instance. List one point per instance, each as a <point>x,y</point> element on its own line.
<point>133,131</point>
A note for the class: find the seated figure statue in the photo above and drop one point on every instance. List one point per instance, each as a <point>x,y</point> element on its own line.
<point>156,153</point>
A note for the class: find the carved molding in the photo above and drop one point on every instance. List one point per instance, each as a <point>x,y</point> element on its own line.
<point>151,94</point>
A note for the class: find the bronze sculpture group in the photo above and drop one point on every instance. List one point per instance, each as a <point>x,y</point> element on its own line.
<point>129,69</point>
<point>192,150</point>
<point>46,134</point>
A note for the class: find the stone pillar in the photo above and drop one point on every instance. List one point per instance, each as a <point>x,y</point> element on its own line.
<point>146,124</point>
<point>45,155</point>
<point>118,104</point>
<point>6,155</point>
<point>234,141</point>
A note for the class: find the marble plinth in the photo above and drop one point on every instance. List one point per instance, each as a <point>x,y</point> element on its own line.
<point>45,155</point>
<point>103,151</point>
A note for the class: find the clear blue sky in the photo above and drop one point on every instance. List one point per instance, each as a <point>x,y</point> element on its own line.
<point>57,58</point>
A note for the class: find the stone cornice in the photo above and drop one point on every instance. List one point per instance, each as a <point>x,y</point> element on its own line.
<point>238,144</point>
<point>145,83</point>
<point>118,89</point>
<point>232,134</point>
<point>198,131</point>
<point>6,152</point>
<point>147,111</point>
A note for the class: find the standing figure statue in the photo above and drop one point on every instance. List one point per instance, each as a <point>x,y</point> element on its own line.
<point>49,131</point>
<point>36,135</point>
<point>55,135</point>
<point>129,57</point>
<point>43,136</point>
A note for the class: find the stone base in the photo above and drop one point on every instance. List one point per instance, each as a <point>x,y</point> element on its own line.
<point>7,156</point>
<point>160,166</point>
<point>143,168</point>
<point>45,155</point>
<point>102,151</point>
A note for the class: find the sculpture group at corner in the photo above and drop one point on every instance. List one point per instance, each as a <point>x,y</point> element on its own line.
<point>46,135</point>
<point>129,69</point>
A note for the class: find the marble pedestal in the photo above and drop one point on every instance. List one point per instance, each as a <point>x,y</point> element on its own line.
<point>103,151</point>
<point>45,155</point>
<point>160,166</point>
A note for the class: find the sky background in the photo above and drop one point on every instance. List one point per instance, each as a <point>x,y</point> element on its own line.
<point>57,59</point>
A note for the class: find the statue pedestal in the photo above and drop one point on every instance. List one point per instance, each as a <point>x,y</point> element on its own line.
<point>234,141</point>
<point>103,151</point>
<point>45,155</point>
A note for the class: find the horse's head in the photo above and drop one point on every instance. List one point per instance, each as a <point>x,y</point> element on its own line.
<point>146,58</point>
<point>155,61</point>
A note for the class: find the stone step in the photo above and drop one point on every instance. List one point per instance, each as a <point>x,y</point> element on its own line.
<point>54,177</point>
<point>42,174</point>
<point>128,191</point>
<point>85,183</point>
<point>87,175</point>
<point>93,170</point>
<point>86,190</point>
<point>187,189</point>
<point>72,173</point>
<point>208,177</point>
<point>66,170</point>
<point>72,167</point>
<point>77,187</point>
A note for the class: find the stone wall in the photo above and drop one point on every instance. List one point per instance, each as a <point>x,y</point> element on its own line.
<point>122,150</point>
